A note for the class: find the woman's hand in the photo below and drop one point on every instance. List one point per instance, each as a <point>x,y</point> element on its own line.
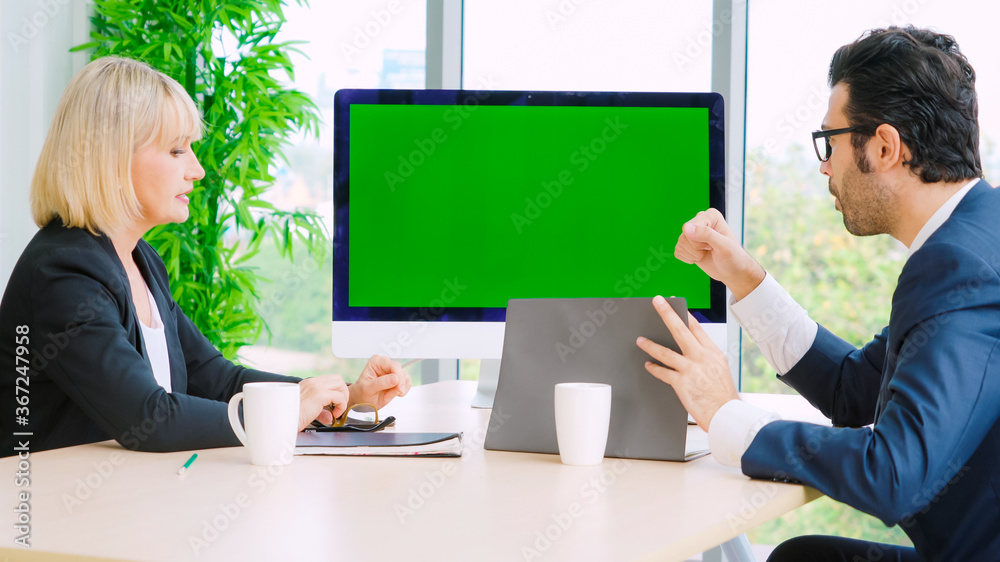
<point>382,380</point>
<point>316,393</point>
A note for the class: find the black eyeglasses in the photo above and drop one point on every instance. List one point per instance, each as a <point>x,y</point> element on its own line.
<point>824,153</point>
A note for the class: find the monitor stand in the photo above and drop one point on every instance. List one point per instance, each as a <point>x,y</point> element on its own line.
<point>489,375</point>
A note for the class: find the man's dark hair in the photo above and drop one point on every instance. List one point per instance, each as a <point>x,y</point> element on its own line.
<point>920,83</point>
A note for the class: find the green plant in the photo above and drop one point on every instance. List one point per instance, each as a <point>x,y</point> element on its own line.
<point>224,53</point>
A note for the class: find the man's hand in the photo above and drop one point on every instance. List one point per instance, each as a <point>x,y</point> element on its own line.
<point>707,241</point>
<point>700,376</point>
<point>382,380</point>
<point>315,393</point>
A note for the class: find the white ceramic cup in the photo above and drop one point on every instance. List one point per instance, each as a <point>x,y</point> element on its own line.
<point>271,414</point>
<point>583,415</point>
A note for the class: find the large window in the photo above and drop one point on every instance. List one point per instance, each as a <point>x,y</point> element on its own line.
<point>792,228</point>
<point>357,44</point>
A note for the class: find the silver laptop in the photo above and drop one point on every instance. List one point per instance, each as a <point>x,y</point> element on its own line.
<point>548,341</point>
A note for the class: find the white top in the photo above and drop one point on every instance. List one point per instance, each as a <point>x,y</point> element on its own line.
<point>783,331</point>
<point>156,344</point>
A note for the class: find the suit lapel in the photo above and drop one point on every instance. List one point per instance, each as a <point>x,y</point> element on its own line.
<point>178,381</point>
<point>901,321</point>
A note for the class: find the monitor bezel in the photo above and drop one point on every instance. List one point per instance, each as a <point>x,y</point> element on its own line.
<point>468,99</point>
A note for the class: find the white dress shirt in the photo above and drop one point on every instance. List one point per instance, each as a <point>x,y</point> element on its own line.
<point>783,331</point>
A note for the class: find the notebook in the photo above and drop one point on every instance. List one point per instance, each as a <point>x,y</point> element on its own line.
<point>548,341</point>
<point>381,444</point>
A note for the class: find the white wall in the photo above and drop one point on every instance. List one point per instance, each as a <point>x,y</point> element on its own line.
<point>35,66</point>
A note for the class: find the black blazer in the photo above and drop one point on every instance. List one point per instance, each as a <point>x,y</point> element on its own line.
<point>89,375</point>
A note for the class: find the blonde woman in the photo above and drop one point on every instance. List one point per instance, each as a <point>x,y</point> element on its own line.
<point>110,354</point>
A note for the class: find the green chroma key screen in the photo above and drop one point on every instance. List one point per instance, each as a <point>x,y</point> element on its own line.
<point>469,206</point>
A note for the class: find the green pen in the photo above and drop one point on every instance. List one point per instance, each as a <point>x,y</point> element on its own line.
<point>184,468</point>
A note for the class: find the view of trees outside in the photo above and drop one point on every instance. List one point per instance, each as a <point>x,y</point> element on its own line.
<point>791,226</point>
<point>794,231</point>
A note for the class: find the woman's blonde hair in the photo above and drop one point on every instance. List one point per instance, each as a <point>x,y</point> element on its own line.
<point>110,109</point>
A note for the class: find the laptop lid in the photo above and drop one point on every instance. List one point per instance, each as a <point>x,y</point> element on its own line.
<point>549,341</point>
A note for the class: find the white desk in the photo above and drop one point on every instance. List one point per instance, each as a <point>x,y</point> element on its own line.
<point>102,500</point>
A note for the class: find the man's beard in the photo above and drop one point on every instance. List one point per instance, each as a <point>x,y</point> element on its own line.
<point>868,205</point>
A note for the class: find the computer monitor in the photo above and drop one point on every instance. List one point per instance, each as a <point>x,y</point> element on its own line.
<point>447,203</point>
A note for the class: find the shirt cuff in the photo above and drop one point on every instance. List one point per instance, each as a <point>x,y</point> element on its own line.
<point>733,429</point>
<point>779,326</point>
<point>762,311</point>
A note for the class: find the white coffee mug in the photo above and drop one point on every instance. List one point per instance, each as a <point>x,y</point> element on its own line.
<point>583,415</point>
<point>271,414</point>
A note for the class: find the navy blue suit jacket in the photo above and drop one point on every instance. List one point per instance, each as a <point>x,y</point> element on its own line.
<point>930,382</point>
<point>89,378</point>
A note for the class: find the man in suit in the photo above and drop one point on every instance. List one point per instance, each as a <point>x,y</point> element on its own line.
<point>916,438</point>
